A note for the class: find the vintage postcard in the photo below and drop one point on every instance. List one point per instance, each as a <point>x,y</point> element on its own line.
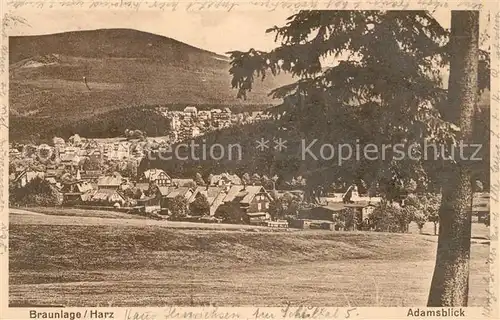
<point>249,160</point>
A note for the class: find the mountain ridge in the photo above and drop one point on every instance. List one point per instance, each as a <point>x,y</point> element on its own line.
<point>73,37</point>
<point>80,74</point>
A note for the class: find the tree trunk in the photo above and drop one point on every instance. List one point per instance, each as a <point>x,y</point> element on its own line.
<point>435,228</point>
<point>450,282</point>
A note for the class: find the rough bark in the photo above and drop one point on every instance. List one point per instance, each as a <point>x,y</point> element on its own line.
<point>450,282</point>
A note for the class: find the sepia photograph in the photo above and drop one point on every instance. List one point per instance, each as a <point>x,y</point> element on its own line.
<point>267,158</point>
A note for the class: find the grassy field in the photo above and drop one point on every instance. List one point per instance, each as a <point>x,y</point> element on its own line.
<point>88,263</point>
<point>75,212</point>
<point>73,216</point>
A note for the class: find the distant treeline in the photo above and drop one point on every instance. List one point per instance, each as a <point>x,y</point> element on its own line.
<point>107,125</point>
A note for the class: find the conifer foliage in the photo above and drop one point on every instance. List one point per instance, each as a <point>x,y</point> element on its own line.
<point>375,77</point>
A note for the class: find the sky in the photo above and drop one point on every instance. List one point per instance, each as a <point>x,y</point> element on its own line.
<point>211,30</point>
<point>215,31</point>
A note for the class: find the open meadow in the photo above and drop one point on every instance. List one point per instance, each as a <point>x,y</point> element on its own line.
<point>76,260</point>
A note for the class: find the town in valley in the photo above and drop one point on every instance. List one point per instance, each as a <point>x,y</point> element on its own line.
<point>209,159</point>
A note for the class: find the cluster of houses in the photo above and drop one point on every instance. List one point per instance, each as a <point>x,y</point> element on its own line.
<point>184,125</point>
<point>191,122</point>
<point>71,153</point>
<point>155,190</point>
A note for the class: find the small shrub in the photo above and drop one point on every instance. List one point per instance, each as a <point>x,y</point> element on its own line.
<point>389,218</point>
<point>178,206</point>
<point>200,206</point>
<point>347,220</point>
<point>37,192</point>
<point>231,213</point>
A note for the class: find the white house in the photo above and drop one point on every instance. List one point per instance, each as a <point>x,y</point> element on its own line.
<point>192,111</point>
